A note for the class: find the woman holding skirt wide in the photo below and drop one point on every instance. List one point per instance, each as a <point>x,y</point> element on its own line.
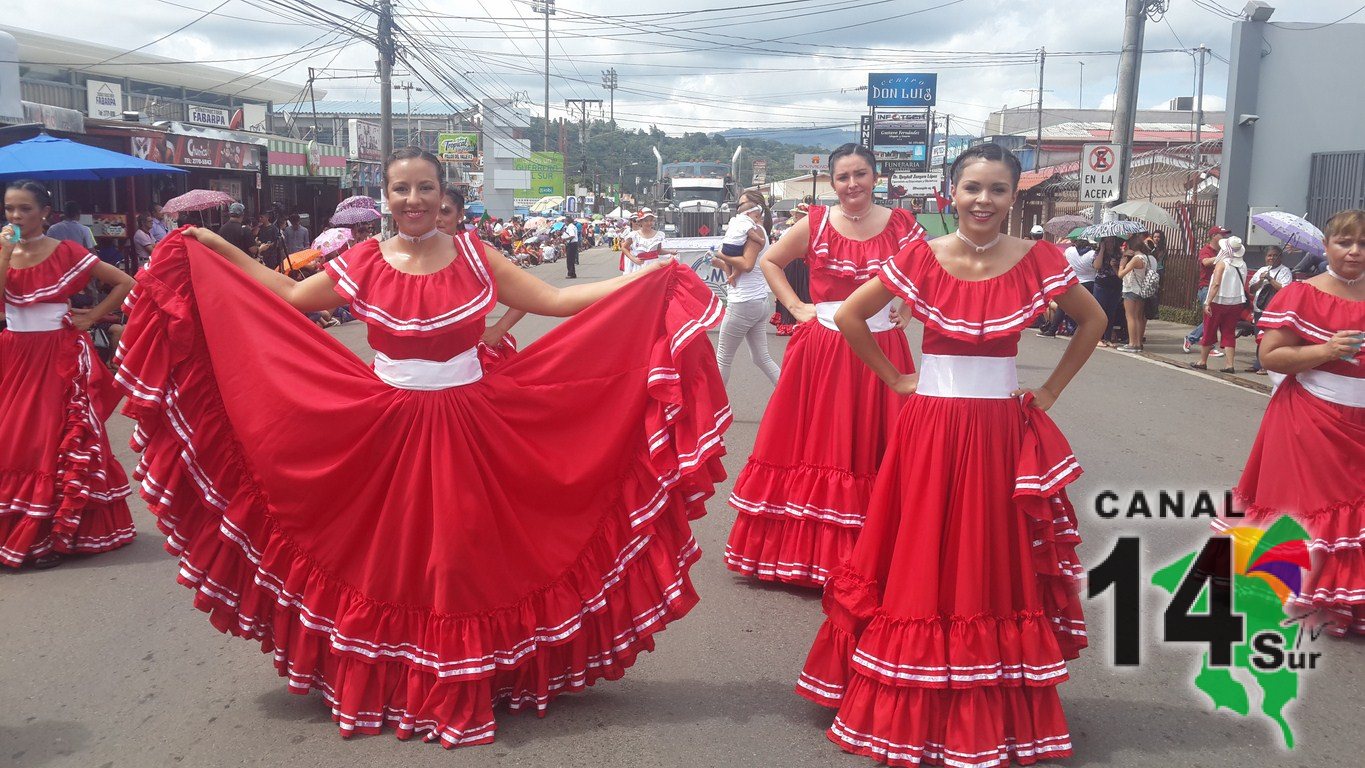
<point>948,630</point>
<point>388,542</point>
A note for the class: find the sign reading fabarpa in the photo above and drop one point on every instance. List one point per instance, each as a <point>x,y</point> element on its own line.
<point>810,162</point>
<point>1099,173</point>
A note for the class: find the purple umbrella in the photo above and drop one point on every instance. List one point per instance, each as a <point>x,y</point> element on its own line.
<point>1292,230</point>
<point>356,210</point>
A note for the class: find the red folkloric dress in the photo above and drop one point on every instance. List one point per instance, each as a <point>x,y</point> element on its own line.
<point>61,490</point>
<point>802,494</point>
<point>1309,456</point>
<point>393,535</point>
<point>948,630</point>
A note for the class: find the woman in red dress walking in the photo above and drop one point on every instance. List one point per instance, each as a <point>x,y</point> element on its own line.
<point>390,543</point>
<point>802,494</point>
<point>948,630</point>
<point>61,490</point>
<point>1309,454</point>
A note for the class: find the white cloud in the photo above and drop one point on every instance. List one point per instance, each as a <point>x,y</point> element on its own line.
<point>694,71</point>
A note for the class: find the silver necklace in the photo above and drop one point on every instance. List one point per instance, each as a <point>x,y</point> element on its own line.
<point>419,238</point>
<point>978,248</point>
<point>851,217</point>
<point>1351,281</point>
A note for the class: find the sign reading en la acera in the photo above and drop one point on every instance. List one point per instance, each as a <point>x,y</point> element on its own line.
<point>1099,173</point>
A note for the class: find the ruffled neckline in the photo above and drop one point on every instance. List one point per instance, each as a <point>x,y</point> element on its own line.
<point>978,310</point>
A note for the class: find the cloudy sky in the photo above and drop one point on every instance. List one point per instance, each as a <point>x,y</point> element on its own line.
<point>689,65</point>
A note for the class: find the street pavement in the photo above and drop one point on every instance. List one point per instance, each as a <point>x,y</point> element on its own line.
<point>104,662</point>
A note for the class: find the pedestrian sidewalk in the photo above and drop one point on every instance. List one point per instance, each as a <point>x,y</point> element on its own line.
<point>1164,345</point>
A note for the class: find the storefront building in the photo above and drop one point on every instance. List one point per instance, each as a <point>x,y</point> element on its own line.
<point>305,178</point>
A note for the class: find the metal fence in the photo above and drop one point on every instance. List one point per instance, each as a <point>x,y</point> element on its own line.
<point>1336,182</point>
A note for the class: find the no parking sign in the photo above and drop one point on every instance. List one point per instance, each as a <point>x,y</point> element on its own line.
<point>1099,173</point>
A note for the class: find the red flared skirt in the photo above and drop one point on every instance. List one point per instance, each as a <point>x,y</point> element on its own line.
<point>1307,462</point>
<point>948,630</point>
<point>802,494</point>
<point>421,557</point>
<point>61,490</point>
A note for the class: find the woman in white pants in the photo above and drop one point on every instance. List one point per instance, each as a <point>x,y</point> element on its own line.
<point>746,314</point>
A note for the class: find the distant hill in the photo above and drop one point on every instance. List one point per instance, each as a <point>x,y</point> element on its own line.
<point>825,138</point>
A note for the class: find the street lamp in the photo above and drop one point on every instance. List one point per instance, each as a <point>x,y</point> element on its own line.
<point>621,180</point>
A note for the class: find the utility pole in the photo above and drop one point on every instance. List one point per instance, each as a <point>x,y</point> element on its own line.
<point>386,58</point>
<point>546,7</point>
<point>409,87</point>
<point>609,82</point>
<point>947,139</point>
<point>1203,51</point>
<point>1080,89</point>
<point>582,105</point>
<point>1038,153</point>
<point>1130,72</point>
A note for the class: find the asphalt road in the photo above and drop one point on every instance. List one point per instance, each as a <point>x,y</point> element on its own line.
<point>104,662</point>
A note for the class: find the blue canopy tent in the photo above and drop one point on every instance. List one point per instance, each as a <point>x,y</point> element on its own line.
<point>48,158</point>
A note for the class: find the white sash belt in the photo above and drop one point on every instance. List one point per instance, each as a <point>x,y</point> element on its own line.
<point>824,312</point>
<point>35,318</point>
<point>991,378</point>
<point>1332,387</point>
<point>427,375</point>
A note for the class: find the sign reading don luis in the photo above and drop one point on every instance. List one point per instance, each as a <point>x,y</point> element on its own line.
<point>201,115</point>
<point>901,90</point>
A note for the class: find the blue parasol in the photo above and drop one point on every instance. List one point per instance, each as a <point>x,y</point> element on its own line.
<point>48,158</point>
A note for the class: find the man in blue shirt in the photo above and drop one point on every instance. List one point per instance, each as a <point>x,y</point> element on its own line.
<point>159,229</point>
<point>71,228</point>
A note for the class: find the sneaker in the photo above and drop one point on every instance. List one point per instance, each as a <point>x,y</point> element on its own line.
<point>1216,353</point>
<point>1129,348</point>
<point>1186,345</point>
<point>1046,334</point>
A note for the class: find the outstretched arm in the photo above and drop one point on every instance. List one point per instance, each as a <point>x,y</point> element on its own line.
<point>314,294</point>
<point>520,290</point>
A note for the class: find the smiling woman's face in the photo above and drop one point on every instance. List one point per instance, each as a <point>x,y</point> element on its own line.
<point>414,195</point>
<point>984,194</point>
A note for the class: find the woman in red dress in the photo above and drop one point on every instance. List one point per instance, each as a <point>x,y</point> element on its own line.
<point>390,544</point>
<point>802,494</point>
<point>1309,455</point>
<point>61,490</point>
<point>947,631</point>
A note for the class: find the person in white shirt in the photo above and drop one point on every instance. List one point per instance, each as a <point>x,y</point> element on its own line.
<point>571,239</point>
<point>1267,281</point>
<point>746,308</point>
<point>1081,256</point>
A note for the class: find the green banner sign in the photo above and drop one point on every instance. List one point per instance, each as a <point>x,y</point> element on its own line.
<point>547,176</point>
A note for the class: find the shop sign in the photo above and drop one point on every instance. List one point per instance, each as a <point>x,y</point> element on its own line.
<point>802,162</point>
<point>104,101</point>
<point>54,118</point>
<point>760,171</point>
<point>458,147</point>
<point>902,90</point>
<point>211,116</point>
<point>917,184</point>
<point>364,138</point>
<point>197,152</point>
